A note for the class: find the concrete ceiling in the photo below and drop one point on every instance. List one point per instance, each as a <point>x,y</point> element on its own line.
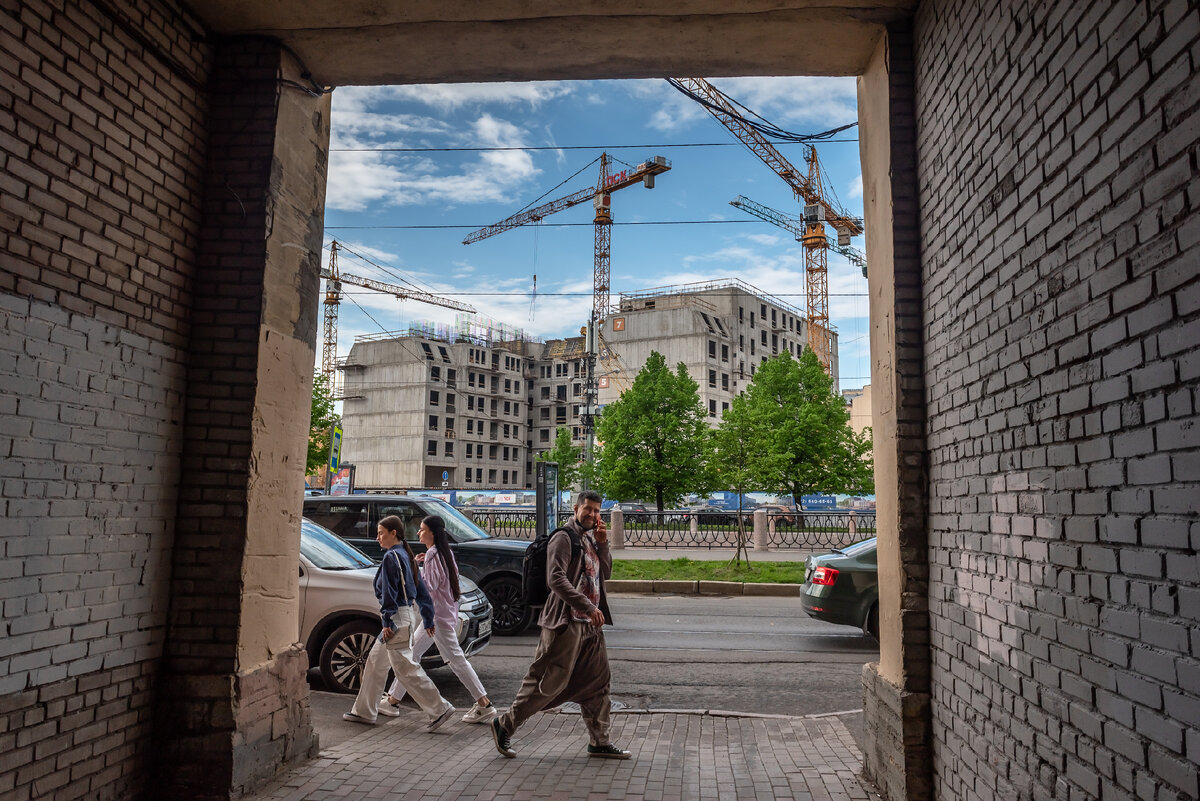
<point>368,42</point>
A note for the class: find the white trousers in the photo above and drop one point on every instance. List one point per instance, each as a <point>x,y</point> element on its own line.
<point>452,653</point>
<point>396,653</point>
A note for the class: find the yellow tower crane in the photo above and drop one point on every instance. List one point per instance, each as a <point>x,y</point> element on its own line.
<point>809,187</point>
<point>333,296</point>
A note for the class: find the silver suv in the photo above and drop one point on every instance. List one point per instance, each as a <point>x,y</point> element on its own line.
<point>339,616</point>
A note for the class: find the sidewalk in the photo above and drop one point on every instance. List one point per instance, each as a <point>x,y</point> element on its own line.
<point>678,755</point>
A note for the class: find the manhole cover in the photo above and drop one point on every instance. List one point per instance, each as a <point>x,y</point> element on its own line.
<point>572,708</point>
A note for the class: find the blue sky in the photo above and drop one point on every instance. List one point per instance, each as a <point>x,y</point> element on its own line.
<point>376,196</point>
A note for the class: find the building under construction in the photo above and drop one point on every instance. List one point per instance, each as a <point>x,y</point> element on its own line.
<point>469,405</point>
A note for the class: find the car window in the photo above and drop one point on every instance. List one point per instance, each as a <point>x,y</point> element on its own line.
<point>864,550</point>
<point>410,513</point>
<point>347,519</point>
<point>328,552</point>
<point>457,525</point>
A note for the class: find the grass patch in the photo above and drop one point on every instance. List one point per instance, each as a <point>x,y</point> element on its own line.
<point>684,569</point>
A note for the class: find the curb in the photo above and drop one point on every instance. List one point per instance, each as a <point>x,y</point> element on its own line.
<point>702,588</point>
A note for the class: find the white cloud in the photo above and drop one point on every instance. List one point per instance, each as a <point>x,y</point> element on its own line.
<point>800,104</point>
<point>856,187</point>
<point>451,96</point>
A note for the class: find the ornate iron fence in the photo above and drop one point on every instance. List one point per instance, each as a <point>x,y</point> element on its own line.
<point>674,529</point>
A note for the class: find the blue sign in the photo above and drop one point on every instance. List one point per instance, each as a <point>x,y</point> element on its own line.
<point>816,502</point>
<point>445,475</point>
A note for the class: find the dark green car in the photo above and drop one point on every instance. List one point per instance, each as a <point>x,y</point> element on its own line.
<point>843,587</point>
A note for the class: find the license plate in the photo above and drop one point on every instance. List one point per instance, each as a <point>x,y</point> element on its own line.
<point>485,627</point>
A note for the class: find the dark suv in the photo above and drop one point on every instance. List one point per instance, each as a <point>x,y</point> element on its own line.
<point>494,563</point>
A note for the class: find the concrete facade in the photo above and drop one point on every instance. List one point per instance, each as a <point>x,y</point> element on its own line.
<point>1030,177</point>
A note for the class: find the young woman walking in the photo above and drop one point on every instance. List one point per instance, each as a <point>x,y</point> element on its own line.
<point>441,577</point>
<point>397,588</point>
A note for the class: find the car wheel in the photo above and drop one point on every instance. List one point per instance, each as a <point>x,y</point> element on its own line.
<point>510,614</point>
<point>345,653</point>
<point>872,624</point>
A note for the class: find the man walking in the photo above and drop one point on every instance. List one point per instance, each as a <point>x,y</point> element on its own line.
<point>571,662</point>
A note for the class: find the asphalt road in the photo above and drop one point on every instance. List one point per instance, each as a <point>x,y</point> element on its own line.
<point>735,653</point>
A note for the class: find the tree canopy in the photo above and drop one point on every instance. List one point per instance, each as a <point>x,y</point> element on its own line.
<point>656,443</point>
<point>567,456</point>
<point>323,418</point>
<point>795,432</point>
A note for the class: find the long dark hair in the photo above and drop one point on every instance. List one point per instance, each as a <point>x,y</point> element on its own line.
<point>441,541</point>
<point>395,525</point>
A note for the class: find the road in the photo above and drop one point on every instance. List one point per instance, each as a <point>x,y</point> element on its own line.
<point>733,653</point>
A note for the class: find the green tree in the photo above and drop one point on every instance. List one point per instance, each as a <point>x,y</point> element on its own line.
<point>568,457</point>
<point>655,440</point>
<point>732,465</point>
<point>801,431</point>
<point>323,418</point>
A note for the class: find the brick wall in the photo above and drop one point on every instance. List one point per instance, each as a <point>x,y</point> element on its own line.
<point>1058,185</point>
<point>100,125</point>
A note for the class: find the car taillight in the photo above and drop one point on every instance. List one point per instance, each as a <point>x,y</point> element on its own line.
<point>825,576</point>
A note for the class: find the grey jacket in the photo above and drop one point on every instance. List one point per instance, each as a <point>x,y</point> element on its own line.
<point>562,577</point>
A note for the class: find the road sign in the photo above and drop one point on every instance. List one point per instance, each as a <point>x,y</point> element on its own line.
<point>335,447</point>
<point>445,476</point>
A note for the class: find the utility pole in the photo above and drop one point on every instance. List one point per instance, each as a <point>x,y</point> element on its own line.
<point>591,394</point>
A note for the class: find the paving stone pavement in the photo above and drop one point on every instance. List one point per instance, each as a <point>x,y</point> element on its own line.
<point>678,755</point>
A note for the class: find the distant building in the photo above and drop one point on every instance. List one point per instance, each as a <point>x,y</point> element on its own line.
<point>475,402</point>
<point>859,401</point>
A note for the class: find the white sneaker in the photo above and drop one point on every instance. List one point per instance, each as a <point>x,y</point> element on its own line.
<point>435,723</point>
<point>480,714</point>
<point>386,707</point>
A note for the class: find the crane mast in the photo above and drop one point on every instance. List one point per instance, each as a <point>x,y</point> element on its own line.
<point>796,227</point>
<point>601,197</point>
<point>808,187</point>
<point>333,295</point>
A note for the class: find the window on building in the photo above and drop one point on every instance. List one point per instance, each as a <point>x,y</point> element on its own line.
<point>449,426</point>
<point>431,447</point>
<point>450,399</point>
<point>707,322</point>
<point>478,475</point>
<point>712,408</point>
<point>495,404</point>
<point>505,479</point>
<point>428,352</point>
<point>724,352</point>
<point>470,453</point>
<point>470,426</point>
<point>451,377</point>
<point>508,385</point>
<point>725,381</point>
<point>435,374</point>
<point>751,319</point>
<point>505,456</point>
<point>449,448</point>
<point>433,422</point>
<point>764,338</point>
<point>752,347</point>
<point>516,410</point>
<point>442,352</point>
<point>508,407</point>
<point>724,407</point>
<point>492,451</point>
<point>720,327</point>
<point>741,314</point>
<point>467,476</point>
<point>712,349</point>
<point>506,430</point>
<point>774,344</point>
<point>545,413</point>
<point>435,397</point>
<point>576,390</point>
<point>772,318</point>
<point>762,312</point>
<point>544,435</point>
<point>712,378</point>
<point>492,477</point>
<point>545,393</point>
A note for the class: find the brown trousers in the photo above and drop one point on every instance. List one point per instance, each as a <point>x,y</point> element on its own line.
<point>571,664</point>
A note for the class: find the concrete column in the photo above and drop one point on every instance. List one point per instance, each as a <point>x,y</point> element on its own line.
<point>233,706</point>
<point>762,532</point>
<point>616,529</point>
<point>898,753</point>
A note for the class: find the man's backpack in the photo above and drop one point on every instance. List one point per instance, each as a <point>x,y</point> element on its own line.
<point>534,588</point>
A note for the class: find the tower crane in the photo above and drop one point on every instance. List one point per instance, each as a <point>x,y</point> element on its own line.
<point>796,227</point>
<point>809,189</point>
<point>601,197</point>
<point>333,295</point>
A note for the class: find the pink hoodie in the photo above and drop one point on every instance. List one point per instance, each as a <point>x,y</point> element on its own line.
<point>445,608</point>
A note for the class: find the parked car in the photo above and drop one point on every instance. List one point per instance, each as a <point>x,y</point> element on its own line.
<point>778,512</point>
<point>843,587</point>
<point>633,511</point>
<point>339,614</point>
<point>713,516</point>
<point>494,563</point>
